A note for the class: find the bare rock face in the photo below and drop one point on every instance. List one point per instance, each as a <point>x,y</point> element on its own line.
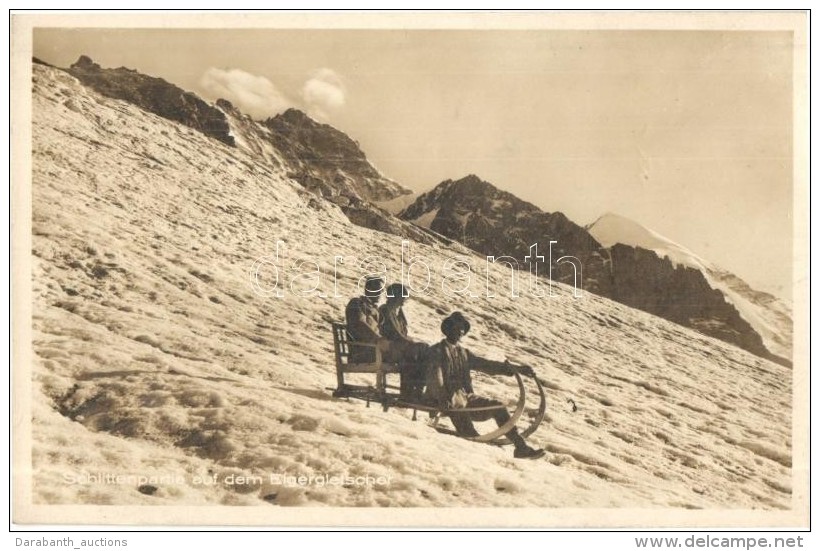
<point>497,223</point>
<point>154,95</point>
<point>320,152</point>
<point>680,294</point>
<point>494,222</point>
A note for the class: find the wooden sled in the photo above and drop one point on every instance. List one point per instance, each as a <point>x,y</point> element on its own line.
<point>379,391</point>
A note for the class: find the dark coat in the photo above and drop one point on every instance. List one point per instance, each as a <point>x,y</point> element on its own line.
<point>448,378</point>
<point>362,318</point>
<point>393,324</point>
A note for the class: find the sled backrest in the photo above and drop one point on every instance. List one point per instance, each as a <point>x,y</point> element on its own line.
<point>342,352</point>
<point>341,344</point>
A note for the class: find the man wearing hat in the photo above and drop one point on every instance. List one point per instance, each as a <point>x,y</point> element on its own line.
<point>403,350</point>
<point>362,317</point>
<point>450,386</point>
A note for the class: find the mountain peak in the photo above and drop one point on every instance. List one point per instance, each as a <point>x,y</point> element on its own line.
<point>469,194</point>
<point>322,154</point>
<point>471,183</point>
<point>494,222</point>
<point>472,179</point>
<point>293,113</point>
<point>296,117</point>
<point>612,228</point>
<point>85,63</point>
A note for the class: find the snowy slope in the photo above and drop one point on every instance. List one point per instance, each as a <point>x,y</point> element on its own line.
<point>769,316</point>
<point>154,355</point>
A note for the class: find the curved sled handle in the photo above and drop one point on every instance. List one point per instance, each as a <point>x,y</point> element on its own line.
<point>509,425</point>
<point>539,417</point>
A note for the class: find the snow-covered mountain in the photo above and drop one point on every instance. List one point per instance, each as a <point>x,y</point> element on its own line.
<point>497,223</point>
<point>154,355</point>
<point>769,316</point>
<point>612,228</point>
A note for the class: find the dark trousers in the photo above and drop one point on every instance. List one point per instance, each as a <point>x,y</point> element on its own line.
<point>463,422</point>
<point>408,355</point>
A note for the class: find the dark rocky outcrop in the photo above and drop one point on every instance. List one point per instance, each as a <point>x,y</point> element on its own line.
<point>155,95</point>
<point>495,222</point>
<point>328,160</point>
<point>643,280</point>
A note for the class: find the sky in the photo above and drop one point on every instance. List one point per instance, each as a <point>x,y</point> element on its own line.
<point>686,132</point>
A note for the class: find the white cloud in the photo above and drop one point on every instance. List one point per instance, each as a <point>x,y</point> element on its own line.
<point>324,91</point>
<point>252,94</point>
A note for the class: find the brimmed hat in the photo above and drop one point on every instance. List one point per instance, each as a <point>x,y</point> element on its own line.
<point>396,290</point>
<point>374,283</point>
<point>454,319</point>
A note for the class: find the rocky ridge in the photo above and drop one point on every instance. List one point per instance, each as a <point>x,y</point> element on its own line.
<point>493,222</point>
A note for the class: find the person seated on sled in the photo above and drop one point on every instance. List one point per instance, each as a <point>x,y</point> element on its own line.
<point>403,350</point>
<point>362,318</point>
<point>449,385</point>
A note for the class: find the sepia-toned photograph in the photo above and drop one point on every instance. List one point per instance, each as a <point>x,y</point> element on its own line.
<point>411,269</point>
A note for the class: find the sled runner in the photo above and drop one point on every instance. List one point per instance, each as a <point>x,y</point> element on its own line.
<point>379,392</point>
